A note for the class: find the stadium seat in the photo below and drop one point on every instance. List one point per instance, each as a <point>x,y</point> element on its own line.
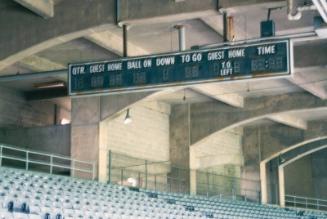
<point>31,195</point>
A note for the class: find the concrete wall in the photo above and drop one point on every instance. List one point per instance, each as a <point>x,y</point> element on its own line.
<point>49,139</point>
<point>16,112</point>
<point>260,142</point>
<point>299,180</point>
<point>147,137</point>
<point>88,133</point>
<point>267,139</point>
<point>319,174</point>
<point>219,149</point>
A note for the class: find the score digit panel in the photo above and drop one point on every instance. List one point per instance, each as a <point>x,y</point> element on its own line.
<point>264,59</point>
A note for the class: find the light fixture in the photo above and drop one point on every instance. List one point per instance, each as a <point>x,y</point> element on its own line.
<point>184,96</point>
<point>281,159</point>
<point>64,121</point>
<point>46,85</point>
<point>128,118</point>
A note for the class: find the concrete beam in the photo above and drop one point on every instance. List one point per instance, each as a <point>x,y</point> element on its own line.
<point>16,57</point>
<point>44,8</point>
<point>19,39</point>
<point>215,23</point>
<point>163,11</point>
<point>37,63</point>
<point>289,120</point>
<point>237,3</point>
<point>218,93</point>
<point>254,109</point>
<point>174,18</point>
<point>217,160</point>
<point>114,43</point>
<point>310,53</point>
<point>304,80</point>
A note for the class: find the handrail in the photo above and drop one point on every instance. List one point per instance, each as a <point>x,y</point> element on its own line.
<point>53,161</point>
<point>307,198</point>
<point>42,153</point>
<point>305,202</point>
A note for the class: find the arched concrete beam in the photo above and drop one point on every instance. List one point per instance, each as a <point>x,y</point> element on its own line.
<point>213,117</point>
<point>113,105</point>
<point>263,164</point>
<point>25,34</point>
<point>48,44</point>
<point>300,144</point>
<point>250,120</point>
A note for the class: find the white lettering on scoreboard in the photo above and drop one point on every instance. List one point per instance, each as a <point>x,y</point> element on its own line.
<point>266,50</point>
<point>166,61</point>
<point>229,63</point>
<point>226,66</point>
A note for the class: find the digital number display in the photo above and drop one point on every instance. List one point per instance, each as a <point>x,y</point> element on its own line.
<point>264,59</point>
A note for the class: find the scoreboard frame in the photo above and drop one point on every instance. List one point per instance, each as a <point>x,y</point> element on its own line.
<point>148,87</point>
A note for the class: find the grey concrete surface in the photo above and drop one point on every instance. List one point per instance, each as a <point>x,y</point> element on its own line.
<point>46,139</point>
<point>319,174</point>
<point>204,124</point>
<point>24,29</point>
<point>180,144</point>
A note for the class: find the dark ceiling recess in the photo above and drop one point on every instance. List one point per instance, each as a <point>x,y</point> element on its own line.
<point>44,94</point>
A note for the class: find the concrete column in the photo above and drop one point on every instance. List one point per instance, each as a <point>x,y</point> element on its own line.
<point>281,185</point>
<point>180,143</point>
<point>85,131</point>
<point>263,179</point>
<point>103,152</point>
<point>193,182</point>
<point>193,174</point>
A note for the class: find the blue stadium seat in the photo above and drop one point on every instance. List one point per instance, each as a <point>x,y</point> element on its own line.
<point>30,195</point>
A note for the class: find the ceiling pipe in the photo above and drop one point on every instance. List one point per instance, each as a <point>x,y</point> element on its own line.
<point>181,37</point>
<point>125,40</point>
<point>118,5</point>
<point>225,26</point>
<point>294,12</point>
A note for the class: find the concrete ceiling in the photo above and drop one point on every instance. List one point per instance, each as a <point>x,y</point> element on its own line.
<point>79,50</point>
<point>162,37</point>
<point>158,37</point>
<point>312,114</point>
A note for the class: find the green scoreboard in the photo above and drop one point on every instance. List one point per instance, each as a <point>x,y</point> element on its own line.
<point>242,61</point>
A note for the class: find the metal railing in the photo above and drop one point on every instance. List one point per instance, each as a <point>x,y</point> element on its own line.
<point>162,176</point>
<point>38,161</point>
<point>305,202</point>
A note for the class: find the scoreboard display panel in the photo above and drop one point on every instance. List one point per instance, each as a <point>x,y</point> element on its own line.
<point>251,60</point>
